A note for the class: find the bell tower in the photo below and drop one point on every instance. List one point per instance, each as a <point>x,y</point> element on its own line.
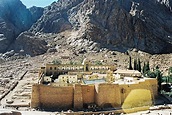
<point>86,64</point>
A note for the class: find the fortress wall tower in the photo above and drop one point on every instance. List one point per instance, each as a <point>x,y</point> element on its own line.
<point>35,96</point>
<point>135,96</point>
<point>88,94</point>
<point>152,83</point>
<point>78,100</point>
<point>107,95</point>
<point>139,95</point>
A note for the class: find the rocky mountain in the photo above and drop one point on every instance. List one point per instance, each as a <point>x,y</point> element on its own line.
<point>87,25</point>
<point>36,13</point>
<point>14,19</point>
<point>114,24</point>
<point>28,42</point>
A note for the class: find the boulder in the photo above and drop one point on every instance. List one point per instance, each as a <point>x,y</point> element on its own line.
<point>51,50</point>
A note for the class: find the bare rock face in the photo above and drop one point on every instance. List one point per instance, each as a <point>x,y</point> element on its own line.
<point>15,12</point>
<point>29,44</point>
<point>14,19</point>
<point>115,24</point>
<point>7,34</point>
<point>36,13</point>
<point>55,18</point>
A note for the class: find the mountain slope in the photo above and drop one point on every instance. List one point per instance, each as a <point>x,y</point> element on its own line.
<point>115,24</point>
<point>14,19</point>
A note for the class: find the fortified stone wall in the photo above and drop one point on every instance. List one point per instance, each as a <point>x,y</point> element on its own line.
<point>126,95</point>
<point>83,95</point>
<point>138,95</point>
<point>50,97</point>
<point>107,95</point>
<point>78,100</point>
<point>104,95</point>
<point>35,102</point>
<point>153,85</point>
<point>88,94</point>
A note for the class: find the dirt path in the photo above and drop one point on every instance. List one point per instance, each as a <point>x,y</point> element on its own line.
<point>20,96</point>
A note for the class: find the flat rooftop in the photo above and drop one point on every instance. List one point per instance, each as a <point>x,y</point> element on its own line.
<point>96,81</point>
<point>119,81</point>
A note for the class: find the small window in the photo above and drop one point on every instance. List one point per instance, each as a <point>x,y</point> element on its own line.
<point>55,68</point>
<point>50,68</point>
<point>122,90</point>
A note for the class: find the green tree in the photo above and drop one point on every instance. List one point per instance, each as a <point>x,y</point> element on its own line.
<point>130,64</point>
<point>81,60</point>
<point>139,66</point>
<point>71,63</point>
<point>169,77</point>
<point>135,64</point>
<point>159,78</point>
<point>147,68</point>
<point>143,69</point>
<point>157,67</point>
<point>98,63</point>
<point>170,70</point>
<point>151,74</point>
<point>56,62</point>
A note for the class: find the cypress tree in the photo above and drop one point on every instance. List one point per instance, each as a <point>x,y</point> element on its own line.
<point>159,78</point>
<point>143,70</point>
<point>139,66</point>
<point>170,71</point>
<point>130,65</point>
<point>169,74</point>
<point>135,64</point>
<point>147,68</point>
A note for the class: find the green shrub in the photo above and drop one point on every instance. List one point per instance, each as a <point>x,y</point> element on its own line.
<point>56,62</point>
<point>98,63</point>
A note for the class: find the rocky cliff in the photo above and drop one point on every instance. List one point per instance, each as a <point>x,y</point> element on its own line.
<point>28,43</point>
<point>115,24</point>
<point>14,19</point>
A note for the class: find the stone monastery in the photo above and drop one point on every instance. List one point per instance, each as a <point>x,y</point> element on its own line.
<point>63,86</point>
